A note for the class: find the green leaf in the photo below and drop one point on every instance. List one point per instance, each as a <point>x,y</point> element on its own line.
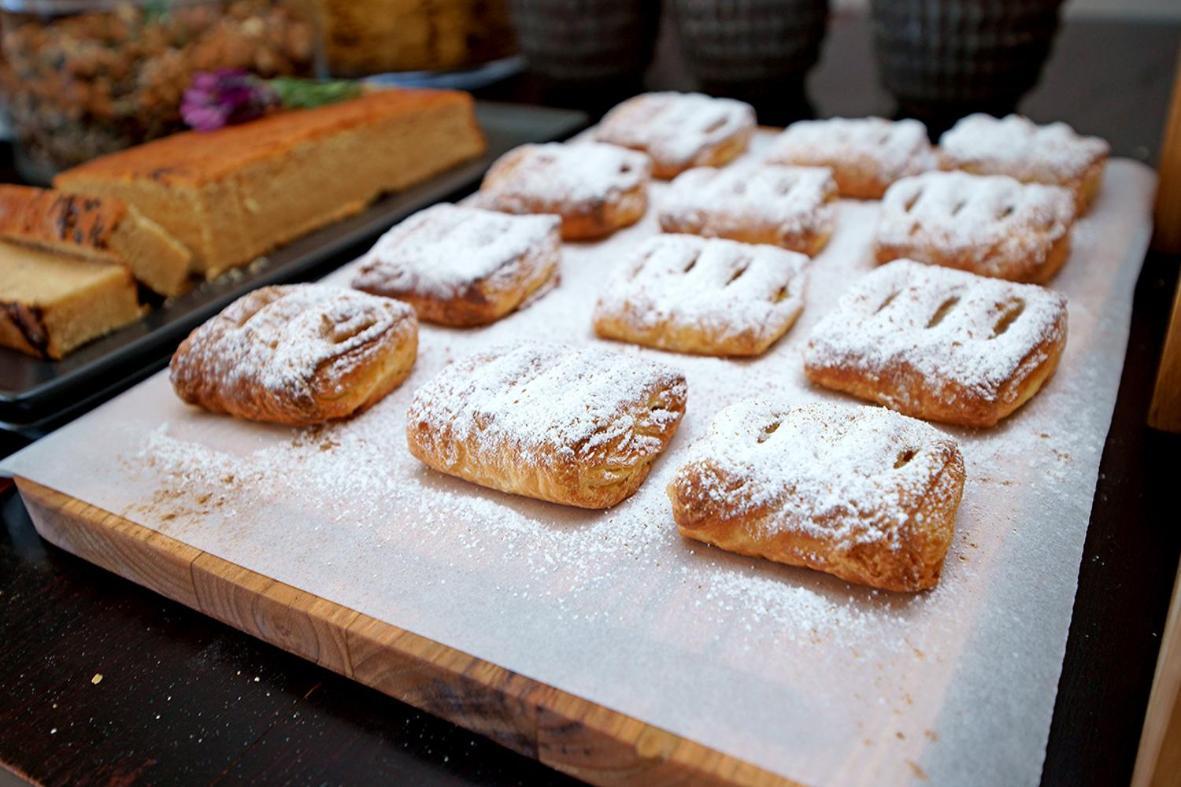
<point>307,93</point>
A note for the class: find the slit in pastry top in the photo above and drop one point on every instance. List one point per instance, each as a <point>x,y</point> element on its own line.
<point>860,492</point>
<point>574,426</point>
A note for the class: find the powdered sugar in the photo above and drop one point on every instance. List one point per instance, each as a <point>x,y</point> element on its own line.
<point>785,202</point>
<point>546,403</point>
<point>993,223</point>
<point>676,129</point>
<point>445,250</point>
<point>1017,147</point>
<point>848,476</point>
<point>787,668</point>
<point>946,325</point>
<point>556,178</point>
<point>888,149</point>
<point>721,289</point>
<point>288,340</point>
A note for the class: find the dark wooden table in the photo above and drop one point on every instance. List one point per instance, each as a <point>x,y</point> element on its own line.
<point>103,682</point>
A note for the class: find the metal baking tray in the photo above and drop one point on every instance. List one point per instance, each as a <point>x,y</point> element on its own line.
<point>38,392</point>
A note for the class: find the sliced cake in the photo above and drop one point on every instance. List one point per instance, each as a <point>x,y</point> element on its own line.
<point>233,194</point>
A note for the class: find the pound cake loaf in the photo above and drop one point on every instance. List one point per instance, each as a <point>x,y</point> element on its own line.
<point>53,303</point>
<point>95,228</point>
<point>238,192</point>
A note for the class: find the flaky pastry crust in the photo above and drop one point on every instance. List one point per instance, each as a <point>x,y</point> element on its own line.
<point>463,266</point>
<point>864,494</point>
<point>939,344</point>
<point>596,189</point>
<point>576,427</point>
<point>297,355</point>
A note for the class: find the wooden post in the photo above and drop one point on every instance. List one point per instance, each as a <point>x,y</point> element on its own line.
<point>1158,760</point>
<point>1165,412</point>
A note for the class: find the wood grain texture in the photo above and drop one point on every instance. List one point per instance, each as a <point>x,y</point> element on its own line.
<point>1158,761</point>
<point>1165,411</point>
<point>564,731</point>
<point>1167,211</point>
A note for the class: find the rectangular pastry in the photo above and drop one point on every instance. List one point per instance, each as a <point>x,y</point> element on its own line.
<point>580,427</point>
<point>51,304</point>
<point>232,194</point>
<point>864,493</point>
<point>297,354</point>
<point>939,344</point>
<point>95,228</point>
<point>698,295</point>
<point>987,224</point>
<point>463,266</point>
<point>680,130</point>
<point>596,189</point>
<point>783,206</point>
<point>866,155</point>
<point>1015,146</point>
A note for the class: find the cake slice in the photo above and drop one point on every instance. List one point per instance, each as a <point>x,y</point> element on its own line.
<point>233,194</point>
<point>104,229</point>
<point>52,303</point>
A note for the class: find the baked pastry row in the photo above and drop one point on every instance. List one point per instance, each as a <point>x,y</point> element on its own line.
<point>583,427</point>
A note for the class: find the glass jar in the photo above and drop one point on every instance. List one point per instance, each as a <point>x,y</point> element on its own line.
<point>88,77</point>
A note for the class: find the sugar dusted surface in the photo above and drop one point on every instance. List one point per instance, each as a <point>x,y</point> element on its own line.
<point>537,399</point>
<point>567,175</point>
<point>445,249</point>
<point>721,287</point>
<point>307,331</point>
<point>890,148</point>
<point>975,217</point>
<point>794,200</point>
<point>675,127</point>
<point>826,471</point>
<point>1016,146</point>
<point>790,669</point>
<point>940,322</point>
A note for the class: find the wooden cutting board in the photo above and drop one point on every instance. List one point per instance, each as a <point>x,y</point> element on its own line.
<point>569,733</point>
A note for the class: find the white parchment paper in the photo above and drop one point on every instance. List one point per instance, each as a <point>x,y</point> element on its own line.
<point>791,670</point>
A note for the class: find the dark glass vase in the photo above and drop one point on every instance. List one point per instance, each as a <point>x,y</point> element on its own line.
<point>738,47</point>
<point>587,40</point>
<point>948,58</point>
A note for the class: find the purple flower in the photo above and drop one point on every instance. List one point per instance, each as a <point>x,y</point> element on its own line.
<point>220,98</point>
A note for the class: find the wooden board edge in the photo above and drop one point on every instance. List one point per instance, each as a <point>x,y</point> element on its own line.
<point>564,731</point>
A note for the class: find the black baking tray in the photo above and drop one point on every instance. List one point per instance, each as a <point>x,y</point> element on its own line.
<point>36,392</point>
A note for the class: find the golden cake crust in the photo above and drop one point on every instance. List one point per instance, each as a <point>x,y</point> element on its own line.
<point>197,157</point>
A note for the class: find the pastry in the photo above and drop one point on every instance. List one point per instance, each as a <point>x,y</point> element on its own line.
<point>1014,146</point>
<point>51,304</point>
<point>580,427</point>
<point>987,224</point>
<point>463,266</point>
<point>596,189</point>
<point>939,344</point>
<point>238,192</point>
<point>680,130</point>
<point>783,206</point>
<point>298,354</point>
<point>866,155</point>
<point>862,493</point>
<point>97,229</point>
<point>697,295</point>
